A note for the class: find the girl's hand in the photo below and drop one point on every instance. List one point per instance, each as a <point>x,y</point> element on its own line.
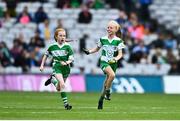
<point>41,68</point>
<point>86,51</point>
<point>112,61</point>
<point>63,63</point>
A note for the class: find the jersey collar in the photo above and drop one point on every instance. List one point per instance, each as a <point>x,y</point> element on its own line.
<point>110,40</point>
<point>60,46</point>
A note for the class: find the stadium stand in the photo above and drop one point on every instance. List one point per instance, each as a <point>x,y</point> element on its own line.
<point>167,13</point>
<point>131,64</point>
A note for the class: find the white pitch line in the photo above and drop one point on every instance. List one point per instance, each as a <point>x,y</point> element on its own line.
<point>21,107</point>
<point>61,112</point>
<point>82,107</point>
<point>101,112</point>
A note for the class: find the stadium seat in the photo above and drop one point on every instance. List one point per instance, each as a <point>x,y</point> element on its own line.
<point>11,70</point>
<point>166,13</point>
<point>68,11</point>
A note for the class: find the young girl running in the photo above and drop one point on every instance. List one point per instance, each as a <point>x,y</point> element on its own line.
<point>62,55</point>
<point>111,52</point>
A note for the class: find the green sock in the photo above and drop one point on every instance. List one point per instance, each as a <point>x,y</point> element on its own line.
<point>103,94</point>
<point>107,91</point>
<point>54,81</point>
<point>101,98</point>
<point>64,98</point>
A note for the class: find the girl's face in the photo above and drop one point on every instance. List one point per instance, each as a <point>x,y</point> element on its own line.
<point>111,29</point>
<point>61,37</point>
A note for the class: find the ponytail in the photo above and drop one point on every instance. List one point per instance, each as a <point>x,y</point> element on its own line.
<point>119,33</point>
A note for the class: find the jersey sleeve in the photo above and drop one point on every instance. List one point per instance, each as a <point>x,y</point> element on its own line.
<point>121,45</point>
<point>48,53</point>
<point>99,44</point>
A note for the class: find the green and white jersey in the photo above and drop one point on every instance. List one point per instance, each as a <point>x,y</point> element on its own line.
<point>59,53</point>
<point>110,47</point>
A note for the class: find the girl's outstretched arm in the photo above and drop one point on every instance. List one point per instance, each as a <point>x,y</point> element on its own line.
<point>43,62</point>
<point>94,50</point>
<point>90,51</point>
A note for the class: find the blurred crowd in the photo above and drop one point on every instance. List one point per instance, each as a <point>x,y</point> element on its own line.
<point>142,35</point>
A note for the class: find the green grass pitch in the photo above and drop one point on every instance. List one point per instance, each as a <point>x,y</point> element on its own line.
<point>46,105</point>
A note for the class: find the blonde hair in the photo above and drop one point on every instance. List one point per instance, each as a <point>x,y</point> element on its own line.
<point>118,28</point>
<point>57,31</point>
<point>115,24</point>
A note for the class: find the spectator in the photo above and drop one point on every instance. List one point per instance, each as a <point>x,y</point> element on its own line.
<point>135,29</point>
<point>170,42</point>
<point>22,61</point>
<point>129,6</point>
<point>11,5</point>
<point>40,15</point>
<point>7,17</point>
<point>5,57</point>
<point>63,4</point>
<point>76,3</point>
<point>24,17</point>
<point>171,58</point>
<point>88,3</point>
<point>17,48</point>
<point>34,57</point>
<point>150,35</point>
<point>158,58</point>
<point>144,11</point>
<point>114,3</point>
<point>59,24</point>
<point>138,52</point>
<point>122,20</point>
<point>20,55</point>
<point>98,4</point>
<point>140,48</point>
<point>83,43</point>
<point>85,16</point>
<point>159,43</point>
<point>174,69</point>
<point>46,30</point>
<point>22,41</point>
<point>36,41</point>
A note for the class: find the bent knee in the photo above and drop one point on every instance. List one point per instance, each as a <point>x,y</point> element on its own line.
<point>112,76</point>
<point>62,88</point>
<point>58,89</point>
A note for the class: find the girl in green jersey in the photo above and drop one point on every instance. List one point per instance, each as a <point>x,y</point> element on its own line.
<point>62,55</point>
<point>111,52</point>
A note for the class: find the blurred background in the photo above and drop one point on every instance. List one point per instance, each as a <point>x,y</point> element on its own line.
<point>151,32</point>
